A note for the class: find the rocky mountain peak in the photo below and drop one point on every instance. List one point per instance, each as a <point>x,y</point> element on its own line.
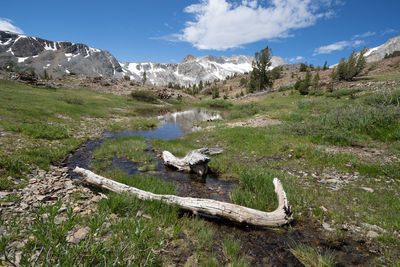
<point>379,52</point>
<point>188,58</point>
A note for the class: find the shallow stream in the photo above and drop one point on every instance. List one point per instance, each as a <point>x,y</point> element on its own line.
<point>263,247</point>
<point>173,125</point>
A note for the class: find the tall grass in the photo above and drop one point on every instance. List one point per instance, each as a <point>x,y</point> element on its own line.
<point>352,125</point>
<point>38,130</point>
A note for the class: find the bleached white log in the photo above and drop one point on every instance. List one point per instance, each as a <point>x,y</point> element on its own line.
<point>281,216</point>
<point>195,161</point>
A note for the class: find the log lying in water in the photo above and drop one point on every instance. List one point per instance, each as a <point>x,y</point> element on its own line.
<point>195,161</point>
<point>281,216</point>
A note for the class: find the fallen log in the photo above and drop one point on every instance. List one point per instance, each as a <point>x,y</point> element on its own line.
<point>195,161</point>
<point>281,216</point>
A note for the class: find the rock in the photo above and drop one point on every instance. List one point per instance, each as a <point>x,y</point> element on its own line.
<point>368,189</point>
<point>372,234</point>
<point>79,235</point>
<point>4,194</point>
<point>2,230</point>
<point>18,257</point>
<point>323,208</point>
<point>76,209</point>
<point>327,227</point>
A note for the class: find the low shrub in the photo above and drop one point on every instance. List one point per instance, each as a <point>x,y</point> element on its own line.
<point>384,99</point>
<point>285,88</point>
<point>343,92</point>
<point>222,104</point>
<point>73,100</point>
<point>145,96</point>
<point>247,110</point>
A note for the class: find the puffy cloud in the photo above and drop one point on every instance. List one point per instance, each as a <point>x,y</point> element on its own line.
<point>327,49</point>
<point>221,25</point>
<point>6,25</point>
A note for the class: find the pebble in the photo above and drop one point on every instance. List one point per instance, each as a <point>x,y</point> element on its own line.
<point>327,227</point>
<point>79,235</point>
<point>368,189</point>
<point>372,234</point>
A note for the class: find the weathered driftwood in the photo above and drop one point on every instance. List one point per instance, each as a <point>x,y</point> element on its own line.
<point>281,216</point>
<point>195,161</point>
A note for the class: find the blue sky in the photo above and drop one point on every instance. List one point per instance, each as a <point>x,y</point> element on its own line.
<point>166,31</point>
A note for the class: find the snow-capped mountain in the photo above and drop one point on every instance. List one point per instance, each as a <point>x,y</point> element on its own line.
<point>379,52</point>
<point>57,58</point>
<point>62,58</point>
<point>193,69</point>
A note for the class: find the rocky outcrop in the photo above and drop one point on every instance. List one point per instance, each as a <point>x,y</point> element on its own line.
<point>56,59</point>
<point>193,69</point>
<point>378,53</point>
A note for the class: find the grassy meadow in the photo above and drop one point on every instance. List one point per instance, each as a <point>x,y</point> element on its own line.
<point>323,135</point>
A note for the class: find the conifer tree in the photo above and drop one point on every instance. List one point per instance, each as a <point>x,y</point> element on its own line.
<point>260,77</point>
<point>144,78</point>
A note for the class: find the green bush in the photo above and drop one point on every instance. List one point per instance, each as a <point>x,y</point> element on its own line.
<point>346,70</point>
<point>343,92</point>
<point>243,82</point>
<point>284,88</point>
<point>394,54</point>
<point>215,92</point>
<point>145,96</point>
<point>219,104</point>
<point>316,92</point>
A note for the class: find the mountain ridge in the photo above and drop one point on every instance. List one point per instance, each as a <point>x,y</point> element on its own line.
<point>59,58</point>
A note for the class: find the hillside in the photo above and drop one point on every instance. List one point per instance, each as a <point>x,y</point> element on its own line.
<point>336,151</point>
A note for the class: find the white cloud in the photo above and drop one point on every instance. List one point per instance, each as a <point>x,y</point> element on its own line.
<point>389,31</point>
<point>6,25</point>
<point>338,46</point>
<point>298,58</point>
<point>221,25</point>
<point>363,35</point>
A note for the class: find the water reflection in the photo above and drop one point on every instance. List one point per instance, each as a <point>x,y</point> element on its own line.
<point>186,119</point>
<point>173,125</point>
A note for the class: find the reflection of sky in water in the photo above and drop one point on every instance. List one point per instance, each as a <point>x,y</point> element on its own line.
<point>174,125</point>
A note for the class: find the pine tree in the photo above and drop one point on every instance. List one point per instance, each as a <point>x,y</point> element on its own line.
<point>325,67</point>
<point>144,78</point>
<point>200,85</point>
<point>260,78</point>
<point>315,80</point>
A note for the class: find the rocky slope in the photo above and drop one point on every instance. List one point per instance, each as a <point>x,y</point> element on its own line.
<point>62,58</point>
<point>379,52</point>
<point>193,69</point>
<point>57,58</point>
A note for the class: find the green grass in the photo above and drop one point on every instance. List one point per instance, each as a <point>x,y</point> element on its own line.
<point>38,130</point>
<point>312,257</point>
<point>256,189</point>
<point>343,92</point>
<point>22,103</point>
<point>231,249</point>
<point>132,148</point>
<point>352,126</point>
<point>145,96</point>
